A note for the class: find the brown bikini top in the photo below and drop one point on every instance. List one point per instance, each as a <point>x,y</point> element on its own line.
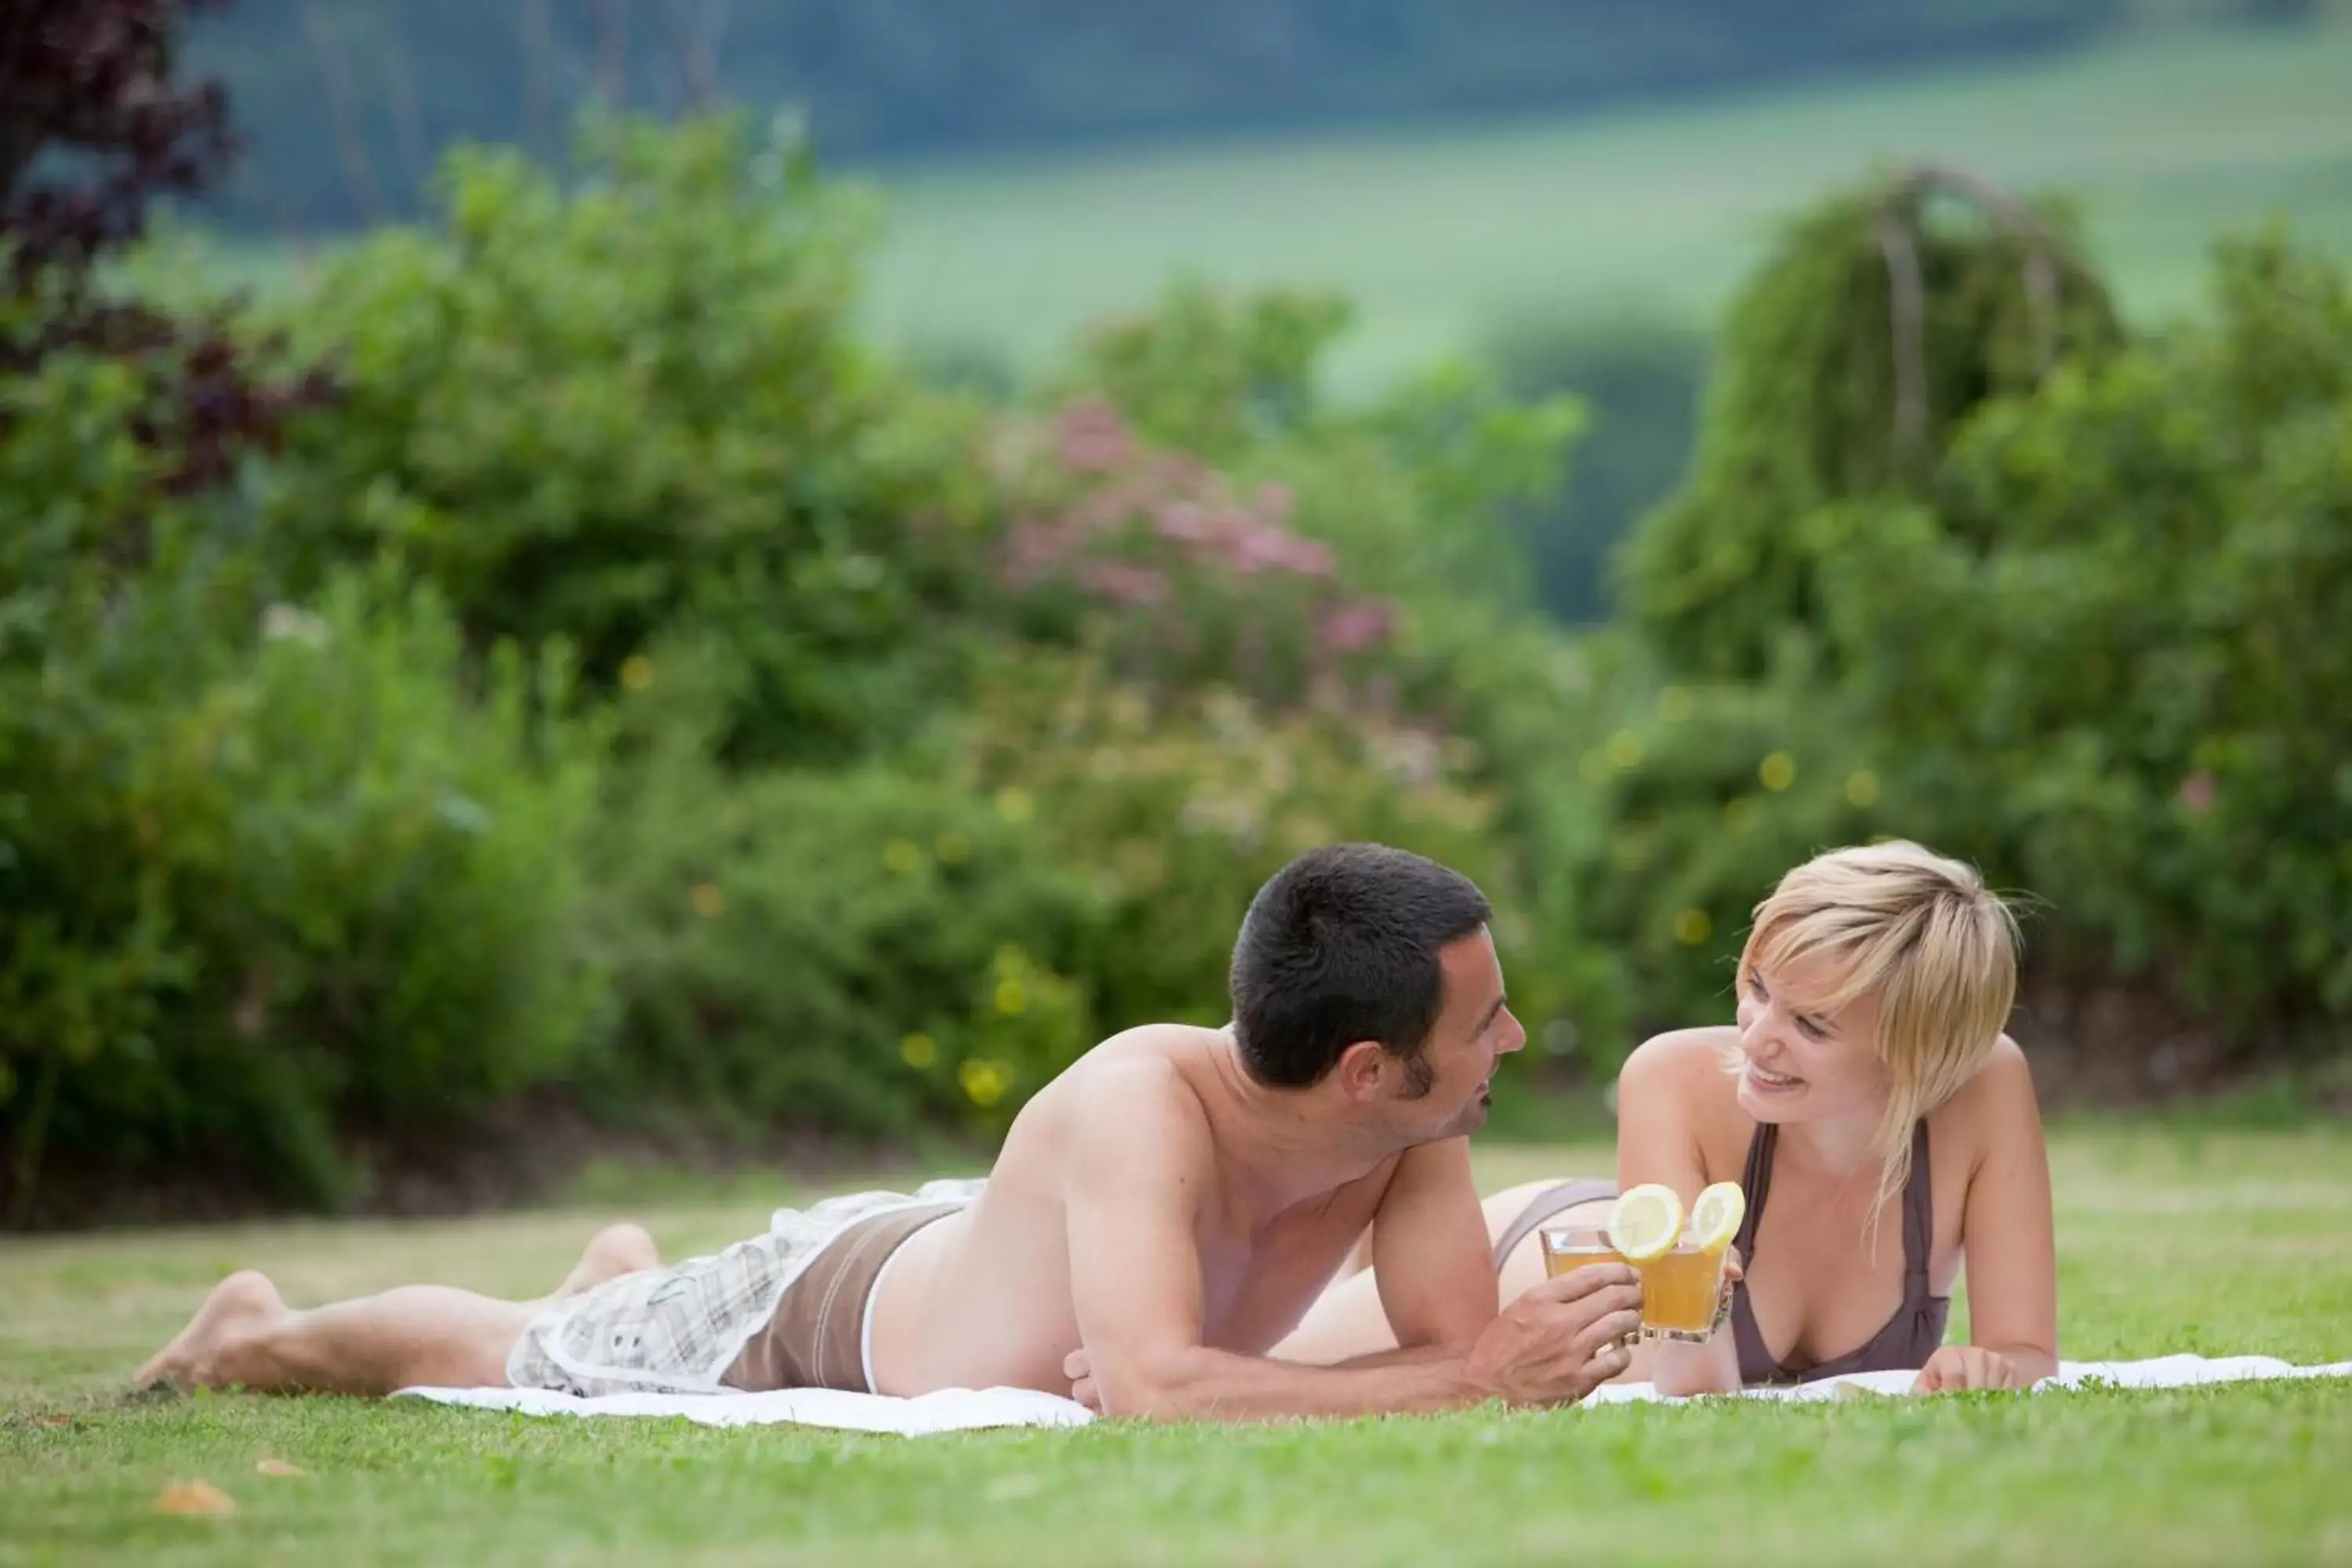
<point>1910,1336</point>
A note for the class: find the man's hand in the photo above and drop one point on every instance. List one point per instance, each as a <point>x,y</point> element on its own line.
<point>1560,1339</point>
<point>1957,1369</point>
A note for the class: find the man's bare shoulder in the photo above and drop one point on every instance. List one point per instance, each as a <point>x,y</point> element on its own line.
<point>1141,1085</point>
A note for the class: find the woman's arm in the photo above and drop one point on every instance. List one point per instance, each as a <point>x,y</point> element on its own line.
<point>2006,1237</point>
<point>1657,1141</point>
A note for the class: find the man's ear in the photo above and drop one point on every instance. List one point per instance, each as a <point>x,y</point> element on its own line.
<point>1364,1070</point>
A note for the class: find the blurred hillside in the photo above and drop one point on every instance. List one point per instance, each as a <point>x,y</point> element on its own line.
<point>348,101</point>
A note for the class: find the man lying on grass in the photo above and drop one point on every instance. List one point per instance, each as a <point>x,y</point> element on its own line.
<point>1160,1216</point>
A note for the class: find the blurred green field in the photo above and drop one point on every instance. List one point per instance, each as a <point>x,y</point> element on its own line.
<point>1445,238</point>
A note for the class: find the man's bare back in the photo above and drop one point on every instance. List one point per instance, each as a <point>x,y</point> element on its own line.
<point>984,1297</point>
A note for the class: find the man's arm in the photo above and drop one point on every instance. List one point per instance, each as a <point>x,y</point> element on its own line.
<point>1132,1190</point>
<point>1435,1266</point>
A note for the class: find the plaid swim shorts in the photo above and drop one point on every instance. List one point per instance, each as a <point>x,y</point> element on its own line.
<point>677,1329</point>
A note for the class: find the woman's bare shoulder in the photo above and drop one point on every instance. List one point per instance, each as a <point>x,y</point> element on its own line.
<point>1687,1066</point>
<point>1997,1102</point>
<point>1676,1089</point>
<point>1682,1054</point>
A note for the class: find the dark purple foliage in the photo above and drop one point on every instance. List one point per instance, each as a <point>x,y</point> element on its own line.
<point>92,130</point>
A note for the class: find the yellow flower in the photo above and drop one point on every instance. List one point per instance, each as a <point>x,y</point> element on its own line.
<point>1674,704</point>
<point>953,849</point>
<point>1625,750</point>
<point>1012,997</point>
<point>985,1082</point>
<point>637,673</point>
<point>919,1051</point>
<point>1777,771</point>
<point>901,856</point>
<point>1014,805</point>
<point>1862,788</point>
<point>1693,927</point>
<point>709,900</point>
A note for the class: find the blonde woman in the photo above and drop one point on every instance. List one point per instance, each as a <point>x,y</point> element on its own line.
<point>1882,1125</point>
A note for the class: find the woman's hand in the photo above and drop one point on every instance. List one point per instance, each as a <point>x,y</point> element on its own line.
<point>1957,1369</point>
<point>1732,1274</point>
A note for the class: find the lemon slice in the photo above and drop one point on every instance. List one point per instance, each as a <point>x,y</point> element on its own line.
<point>1646,1222</point>
<point>1715,1218</point>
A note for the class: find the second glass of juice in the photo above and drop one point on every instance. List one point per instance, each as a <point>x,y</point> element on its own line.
<point>1681,1290</point>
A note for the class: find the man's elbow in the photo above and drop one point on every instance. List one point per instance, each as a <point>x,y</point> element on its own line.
<point>1145,1388</point>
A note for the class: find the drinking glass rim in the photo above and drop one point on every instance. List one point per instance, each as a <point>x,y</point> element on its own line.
<point>1548,1235</point>
<point>1600,1231</point>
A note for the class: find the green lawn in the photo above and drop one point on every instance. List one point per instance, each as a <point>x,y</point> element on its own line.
<point>2171,1241</point>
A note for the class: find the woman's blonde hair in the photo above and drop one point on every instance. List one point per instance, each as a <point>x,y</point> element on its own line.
<point>1924,936</point>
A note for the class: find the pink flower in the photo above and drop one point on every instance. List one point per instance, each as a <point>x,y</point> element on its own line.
<point>1123,584</point>
<point>1311,557</point>
<point>1274,502</point>
<point>1032,551</point>
<point>1181,519</point>
<point>2197,791</point>
<point>1093,438</point>
<point>1355,626</point>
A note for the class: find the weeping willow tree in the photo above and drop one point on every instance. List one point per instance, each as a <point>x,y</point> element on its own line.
<point>1885,318</point>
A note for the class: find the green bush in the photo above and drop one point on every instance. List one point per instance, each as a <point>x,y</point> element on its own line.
<point>1815,372</point>
<point>603,412</point>
<point>2137,700</point>
<point>2090,638</point>
<point>1412,492</point>
<point>1360,630</point>
<point>1707,792</point>
<point>859,950</point>
<point>1179,804</point>
<point>274,875</point>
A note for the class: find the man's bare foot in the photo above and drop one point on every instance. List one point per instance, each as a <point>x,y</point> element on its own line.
<point>615,1250</point>
<point>236,1306</point>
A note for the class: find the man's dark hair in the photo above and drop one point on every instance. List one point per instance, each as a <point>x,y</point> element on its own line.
<point>1342,945</point>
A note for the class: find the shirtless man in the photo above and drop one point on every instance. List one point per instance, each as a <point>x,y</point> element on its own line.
<point>1160,1216</point>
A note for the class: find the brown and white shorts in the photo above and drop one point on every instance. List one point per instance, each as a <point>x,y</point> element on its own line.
<point>786,1309</point>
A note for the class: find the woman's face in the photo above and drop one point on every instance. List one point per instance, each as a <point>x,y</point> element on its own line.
<point>1798,1061</point>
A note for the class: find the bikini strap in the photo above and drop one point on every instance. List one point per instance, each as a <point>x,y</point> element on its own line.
<point>1550,1204</point>
<point>1755,1181</point>
<point>1918,1216</point>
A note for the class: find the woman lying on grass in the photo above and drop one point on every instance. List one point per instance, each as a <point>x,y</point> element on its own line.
<point>1866,1091</point>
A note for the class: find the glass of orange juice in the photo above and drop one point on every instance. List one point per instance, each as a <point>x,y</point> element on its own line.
<point>1569,1247</point>
<point>1682,1289</point>
<point>1682,1294</point>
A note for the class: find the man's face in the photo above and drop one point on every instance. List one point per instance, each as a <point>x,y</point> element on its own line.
<point>1473,1032</point>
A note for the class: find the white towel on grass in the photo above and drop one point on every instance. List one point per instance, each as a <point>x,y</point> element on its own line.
<point>949,1410</point>
<point>2163,1372</point>
<point>966,1409</point>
